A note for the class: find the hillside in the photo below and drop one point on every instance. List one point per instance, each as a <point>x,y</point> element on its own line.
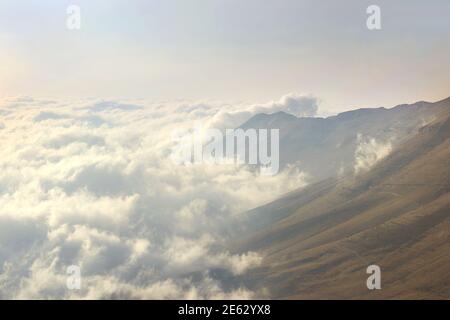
<point>319,241</point>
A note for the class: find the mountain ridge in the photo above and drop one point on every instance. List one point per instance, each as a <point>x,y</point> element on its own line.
<point>326,147</point>
<point>396,215</point>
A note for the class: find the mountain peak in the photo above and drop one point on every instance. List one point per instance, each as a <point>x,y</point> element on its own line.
<point>264,118</point>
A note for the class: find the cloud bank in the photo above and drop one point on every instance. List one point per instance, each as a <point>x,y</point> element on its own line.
<point>90,183</point>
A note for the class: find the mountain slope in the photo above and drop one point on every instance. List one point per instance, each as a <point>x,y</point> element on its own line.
<point>396,216</point>
<point>324,147</point>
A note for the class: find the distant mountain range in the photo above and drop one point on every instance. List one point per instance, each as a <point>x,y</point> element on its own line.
<point>318,241</point>
<point>326,147</point>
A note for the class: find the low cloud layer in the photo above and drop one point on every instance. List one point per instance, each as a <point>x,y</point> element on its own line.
<point>90,183</point>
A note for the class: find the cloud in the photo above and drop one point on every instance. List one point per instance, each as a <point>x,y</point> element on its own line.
<point>99,191</point>
<point>298,105</point>
<point>111,106</point>
<point>43,116</point>
<point>369,151</point>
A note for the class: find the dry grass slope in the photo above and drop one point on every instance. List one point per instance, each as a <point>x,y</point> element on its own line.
<point>396,216</point>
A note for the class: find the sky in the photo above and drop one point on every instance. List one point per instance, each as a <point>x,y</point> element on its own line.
<point>227,50</point>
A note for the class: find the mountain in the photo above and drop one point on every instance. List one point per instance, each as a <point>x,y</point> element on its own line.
<point>326,147</point>
<point>318,242</point>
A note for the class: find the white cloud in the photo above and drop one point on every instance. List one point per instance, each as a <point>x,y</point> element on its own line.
<point>90,183</point>
<point>369,151</point>
<point>298,105</point>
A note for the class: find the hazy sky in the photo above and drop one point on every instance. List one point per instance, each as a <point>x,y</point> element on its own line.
<point>250,50</point>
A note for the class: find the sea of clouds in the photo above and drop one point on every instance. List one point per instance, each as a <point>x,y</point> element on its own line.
<point>90,183</point>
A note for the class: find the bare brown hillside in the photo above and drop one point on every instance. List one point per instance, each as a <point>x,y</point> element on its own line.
<point>396,216</point>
